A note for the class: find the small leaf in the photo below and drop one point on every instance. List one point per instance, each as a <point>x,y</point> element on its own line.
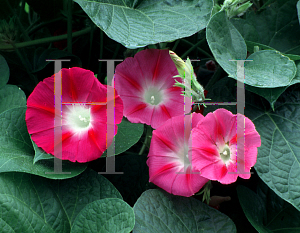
<point>105,215</point>
<point>4,71</point>
<point>40,154</point>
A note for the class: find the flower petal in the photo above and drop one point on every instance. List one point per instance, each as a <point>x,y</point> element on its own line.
<point>84,136</point>
<point>149,75</point>
<point>169,167</point>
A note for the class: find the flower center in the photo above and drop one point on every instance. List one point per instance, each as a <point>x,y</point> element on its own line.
<point>79,118</point>
<point>153,96</point>
<point>225,154</point>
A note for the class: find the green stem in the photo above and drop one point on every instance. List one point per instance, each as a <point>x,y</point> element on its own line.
<point>195,46</point>
<point>147,137</point>
<point>33,28</point>
<point>214,78</point>
<point>175,45</point>
<point>69,25</point>
<point>100,55</point>
<point>91,44</point>
<point>118,46</point>
<point>44,40</point>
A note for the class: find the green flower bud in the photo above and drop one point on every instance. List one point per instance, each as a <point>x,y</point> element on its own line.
<point>186,72</point>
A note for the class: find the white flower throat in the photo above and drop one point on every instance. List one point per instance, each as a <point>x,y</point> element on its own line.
<point>79,118</point>
<point>153,96</point>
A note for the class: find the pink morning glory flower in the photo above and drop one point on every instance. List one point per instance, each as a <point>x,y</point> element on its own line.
<point>146,85</point>
<point>84,126</point>
<point>169,162</point>
<point>214,147</point>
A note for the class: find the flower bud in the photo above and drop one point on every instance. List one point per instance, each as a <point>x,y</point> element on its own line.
<point>186,72</point>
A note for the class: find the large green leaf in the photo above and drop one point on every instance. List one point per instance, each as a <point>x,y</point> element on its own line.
<point>128,134</point>
<point>17,153</point>
<point>278,160</point>
<point>4,71</point>
<point>267,212</point>
<point>269,69</point>
<point>139,23</point>
<point>32,204</point>
<point>277,26</point>
<point>105,215</point>
<point>225,42</point>
<point>272,94</point>
<point>11,97</point>
<point>158,211</point>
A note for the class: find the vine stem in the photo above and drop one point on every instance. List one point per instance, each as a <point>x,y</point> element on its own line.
<point>69,25</point>
<point>147,137</point>
<point>43,40</point>
<point>195,46</point>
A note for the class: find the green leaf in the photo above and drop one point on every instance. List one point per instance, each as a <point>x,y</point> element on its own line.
<point>278,161</point>
<point>269,69</point>
<point>32,204</point>
<point>17,153</point>
<point>128,134</point>
<point>158,211</point>
<point>225,42</point>
<point>11,97</point>
<point>272,94</point>
<point>276,27</point>
<point>105,215</point>
<point>267,212</point>
<point>159,21</point>
<point>4,71</point>
<point>39,153</point>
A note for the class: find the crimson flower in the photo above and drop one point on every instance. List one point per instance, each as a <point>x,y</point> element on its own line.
<point>146,85</point>
<point>214,147</point>
<point>169,163</point>
<point>84,126</point>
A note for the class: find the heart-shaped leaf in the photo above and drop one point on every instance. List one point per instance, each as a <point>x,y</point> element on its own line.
<point>105,215</point>
<point>32,204</point>
<point>278,160</point>
<point>269,69</point>
<point>158,211</point>
<point>267,212</point>
<point>277,26</point>
<point>139,23</point>
<point>225,42</point>
<point>11,97</point>
<point>17,152</point>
